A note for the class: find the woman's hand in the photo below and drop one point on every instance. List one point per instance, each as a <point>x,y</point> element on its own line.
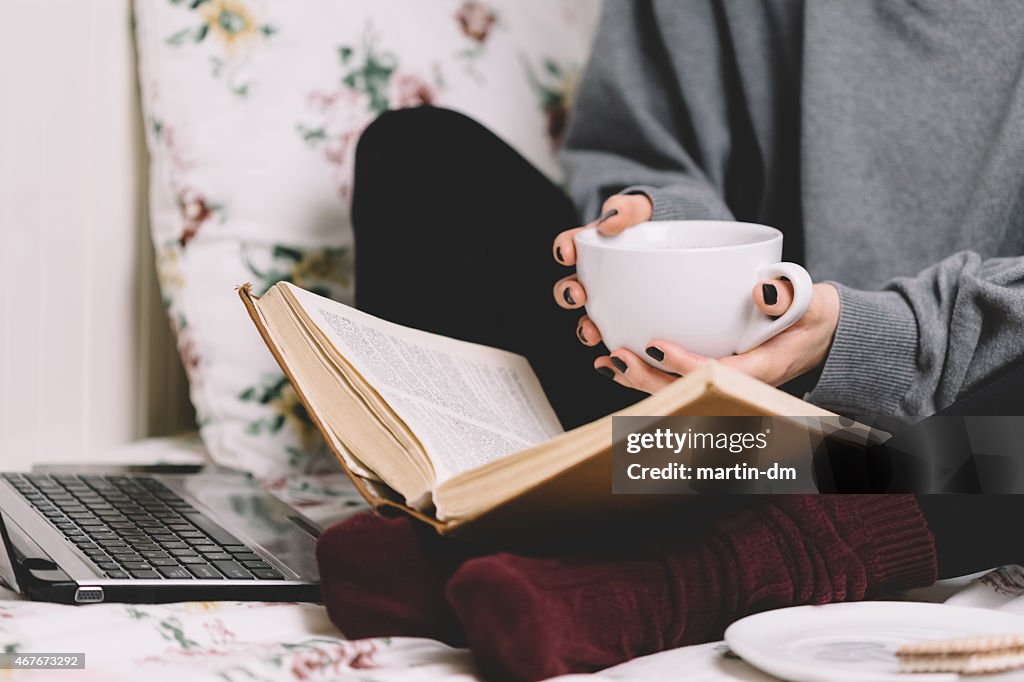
<point>785,356</point>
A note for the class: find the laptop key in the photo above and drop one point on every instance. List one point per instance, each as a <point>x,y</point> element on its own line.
<point>256,564</point>
<point>117,575</point>
<point>233,570</point>
<point>191,560</point>
<point>145,574</point>
<point>135,537</point>
<point>267,574</point>
<point>135,565</point>
<point>123,557</point>
<point>174,572</point>
<point>217,556</point>
<point>205,571</point>
<point>212,529</point>
<point>108,566</point>
<point>163,561</point>
<point>247,556</point>
<point>143,547</point>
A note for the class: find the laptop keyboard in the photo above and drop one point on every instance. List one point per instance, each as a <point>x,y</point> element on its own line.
<point>136,527</point>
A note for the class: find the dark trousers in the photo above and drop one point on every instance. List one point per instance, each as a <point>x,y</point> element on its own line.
<point>453,233</point>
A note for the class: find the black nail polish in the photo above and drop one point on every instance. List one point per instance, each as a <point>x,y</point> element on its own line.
<point>579,334</point>
<point>655,352</point>
<point>770,293</point>
<point>558,254</point>
<point>619,364</point>
<point>567,295</point>
<point>608,214</point>
<point>606,371</point>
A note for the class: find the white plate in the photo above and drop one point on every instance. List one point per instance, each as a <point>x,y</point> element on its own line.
<point>857,641</point>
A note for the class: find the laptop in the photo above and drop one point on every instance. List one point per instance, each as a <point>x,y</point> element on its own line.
<point>88,536</point>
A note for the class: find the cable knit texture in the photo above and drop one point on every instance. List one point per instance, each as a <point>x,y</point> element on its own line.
<point>384,576</point>
<point>531,618</point>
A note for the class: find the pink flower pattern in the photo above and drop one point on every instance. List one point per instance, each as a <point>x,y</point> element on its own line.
<point>476,19</point>
<point>371,82</point>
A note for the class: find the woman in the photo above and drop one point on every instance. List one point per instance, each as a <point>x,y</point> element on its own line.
<point>885,139</point>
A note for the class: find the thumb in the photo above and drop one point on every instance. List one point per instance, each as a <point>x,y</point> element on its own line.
<point>773,296</point>
<point>623,210</point>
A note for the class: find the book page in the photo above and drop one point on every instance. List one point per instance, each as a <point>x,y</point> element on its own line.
<point>467,404</point>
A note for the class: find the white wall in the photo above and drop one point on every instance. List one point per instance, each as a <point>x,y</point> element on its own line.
<point>86,360</point>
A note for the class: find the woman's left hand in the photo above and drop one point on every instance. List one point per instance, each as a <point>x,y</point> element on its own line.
<point>785,356</point>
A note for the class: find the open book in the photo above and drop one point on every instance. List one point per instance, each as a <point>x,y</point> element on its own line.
<point>458,433</point>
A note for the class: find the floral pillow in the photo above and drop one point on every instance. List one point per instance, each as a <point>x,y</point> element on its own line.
<point>252,111</point>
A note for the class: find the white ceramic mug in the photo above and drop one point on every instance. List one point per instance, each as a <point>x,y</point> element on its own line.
<point>686,281</point>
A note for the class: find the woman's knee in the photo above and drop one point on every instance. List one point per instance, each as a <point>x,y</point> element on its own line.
<point>430,135</point>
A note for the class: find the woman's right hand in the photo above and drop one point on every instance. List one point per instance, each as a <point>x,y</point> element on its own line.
<point>619,212</point>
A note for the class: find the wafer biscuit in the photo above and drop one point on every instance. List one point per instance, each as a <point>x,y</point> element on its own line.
<point>964,655</point>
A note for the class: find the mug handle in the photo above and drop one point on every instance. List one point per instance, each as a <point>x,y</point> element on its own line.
<point>765,328</point>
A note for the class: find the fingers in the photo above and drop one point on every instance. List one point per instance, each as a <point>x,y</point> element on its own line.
<point>627,369</point>
<point>773,296</point>
<point>569,293</point>
<point>623,210</point>
<point>674,358</point>
<point>564,250</point>
<point>587,332</point>
<point>618,212</point>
